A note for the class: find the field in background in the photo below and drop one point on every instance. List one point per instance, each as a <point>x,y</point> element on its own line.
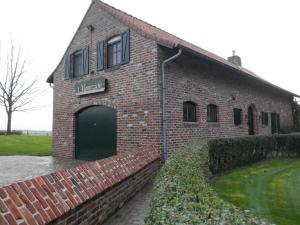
<point>25,145</point>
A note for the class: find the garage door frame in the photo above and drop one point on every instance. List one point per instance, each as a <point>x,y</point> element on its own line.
<point>76,127</point>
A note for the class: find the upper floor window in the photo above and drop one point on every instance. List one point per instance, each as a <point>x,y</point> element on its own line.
<point>114,51</point>
<point>189,112</point>
<point>237,116</point>
<point>117,52</point>
<point>264,118</point>
<point>77,64</point>
<point>212,113</point>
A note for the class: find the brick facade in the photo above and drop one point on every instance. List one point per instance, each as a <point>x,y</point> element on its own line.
<point>203,83</point>
<point>134,91</point>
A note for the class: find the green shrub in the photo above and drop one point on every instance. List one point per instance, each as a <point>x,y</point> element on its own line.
<point>182,194</point>
<point>228,153</point>
<point>287,130</point>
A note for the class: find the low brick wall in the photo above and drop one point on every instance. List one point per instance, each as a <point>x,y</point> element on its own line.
<point>87,194</point>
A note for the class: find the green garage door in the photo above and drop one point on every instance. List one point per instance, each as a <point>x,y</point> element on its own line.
<point>96,136</point>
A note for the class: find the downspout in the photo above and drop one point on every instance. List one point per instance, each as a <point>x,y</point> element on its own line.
<point>163,99</point>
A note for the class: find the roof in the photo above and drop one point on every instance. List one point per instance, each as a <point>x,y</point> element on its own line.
<point>171,41</point>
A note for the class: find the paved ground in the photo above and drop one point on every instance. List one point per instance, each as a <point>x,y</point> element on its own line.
<point>134,211</point>
<point>18,168</point>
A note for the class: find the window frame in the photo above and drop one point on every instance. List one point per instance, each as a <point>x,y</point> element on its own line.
<point>111,43</point>
<point>239,121</point>
<point>189,112</point>
<point>212,118</point>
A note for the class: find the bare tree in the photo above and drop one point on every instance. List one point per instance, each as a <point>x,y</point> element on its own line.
<point>16,90</point>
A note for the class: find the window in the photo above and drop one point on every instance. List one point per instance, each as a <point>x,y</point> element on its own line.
<point>189,112</point>
<point>237,116</point>
<point>110,53</point>
<point>264,118</point>
<point>114,51</point>
<point>212,113</point>
<point>77,63</point>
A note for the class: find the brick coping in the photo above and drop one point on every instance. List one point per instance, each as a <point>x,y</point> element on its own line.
<point>44,199</point>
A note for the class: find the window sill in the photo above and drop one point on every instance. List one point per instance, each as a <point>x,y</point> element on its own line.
<point>239,126</point>
<point>190,124</point>
<point>75,79</point>
<point>264,126</point>
<point>213,124</point>
<point>116,67</point>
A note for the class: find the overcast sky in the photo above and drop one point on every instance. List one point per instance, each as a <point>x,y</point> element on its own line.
<point>265,34</point>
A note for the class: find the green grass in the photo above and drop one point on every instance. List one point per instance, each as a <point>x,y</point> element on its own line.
<point>25,145</point>
<point>270,189</point>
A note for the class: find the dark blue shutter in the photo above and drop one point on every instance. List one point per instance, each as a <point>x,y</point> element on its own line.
<point>100,58</point>
<point>67,67</point>
<point>85,61</point>
<point>125,47</point>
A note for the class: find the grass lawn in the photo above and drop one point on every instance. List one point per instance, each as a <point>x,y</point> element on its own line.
<point>270,189</point>
<point>25,145</point>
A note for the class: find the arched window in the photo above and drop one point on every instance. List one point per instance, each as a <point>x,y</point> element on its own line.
<point>114,51</point>
<point>212,113</point>
<point>189,112</point>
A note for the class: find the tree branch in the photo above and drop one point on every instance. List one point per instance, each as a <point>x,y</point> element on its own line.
<point>17,92</point>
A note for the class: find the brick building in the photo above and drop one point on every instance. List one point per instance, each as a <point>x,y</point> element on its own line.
<point>124,84</point>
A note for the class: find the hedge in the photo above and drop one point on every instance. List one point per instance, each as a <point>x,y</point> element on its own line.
<point>182,194</point>
<point>229,153</point>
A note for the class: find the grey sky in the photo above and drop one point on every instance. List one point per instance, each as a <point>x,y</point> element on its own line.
<point>264,33</point>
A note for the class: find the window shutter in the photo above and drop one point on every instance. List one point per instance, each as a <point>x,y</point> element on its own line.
<point>100,58</point>
<point>125,47</point>
<point>67,67</point>
<point>71,66</point>
<point>85,61</point>
<point>185,112</point>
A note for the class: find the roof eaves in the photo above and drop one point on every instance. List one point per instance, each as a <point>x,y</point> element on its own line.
<point>235,68</point>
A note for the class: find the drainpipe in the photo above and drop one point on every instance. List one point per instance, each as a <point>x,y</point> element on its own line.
<point>163,99</point>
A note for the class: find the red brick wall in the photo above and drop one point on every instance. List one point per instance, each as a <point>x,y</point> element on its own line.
<point>132,89</point>
<point>88,193</point>
<point>191,79</point>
